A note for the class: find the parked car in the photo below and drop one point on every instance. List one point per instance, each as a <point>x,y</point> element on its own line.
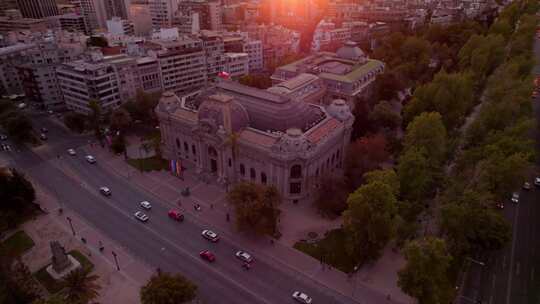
<point>515,197</point>
<point>301,297</point>
<point>210,235</point>
<point>90,159</point>
<point>141,216</point>
<point>207,255</point>
<point>105,191</point>
<point>244,256</point>
<point>72,152</point>
<point>146,205</point>
<point>176,215</point>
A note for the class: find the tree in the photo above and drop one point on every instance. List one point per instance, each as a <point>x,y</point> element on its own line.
<point>427,132</point>
<point>75,122</point>
<point>370,220</point>
<point>415,175</point>
<point>17,196</point>
<point>384,116</point>
<point>19,127</point>
<point>164,288</point>
<point>255,207</point>
<point>425,276</point>
<point>97,41</point>
<point>451,95</point>
<point>332,195</point>
<point>120,119</point>
<point>364,155</point>
<point>80,286</point>
<point>95,117</point>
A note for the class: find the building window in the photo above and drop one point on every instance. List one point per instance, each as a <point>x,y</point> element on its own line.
<point>242,170</point>
<point>295,188</point>
<point>193,150</point>
<point>186,148</point>
<point>252,173</point>
<point>296,171</point>
<point>263,178</point>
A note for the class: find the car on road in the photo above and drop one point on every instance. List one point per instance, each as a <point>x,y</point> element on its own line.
<point>244,256</point>
<point>207,255</point>
<point>72,152</point>
<point>210,235</point>
<point>146,205</point>
<point>537,181</point>
<point>175,215</point>
<point>141,216</point>
<point>105,191</point>
<point>515,197</point>
<point>90,159</point>
<point>301,297</point>
<point>44,130</point>
<point>3,137</point>
<point>43,136</point>
<point>527,186</point>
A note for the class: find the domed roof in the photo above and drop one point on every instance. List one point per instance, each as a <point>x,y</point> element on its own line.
<point>351,51</point>
<point>339,110</point>
<point>215,113</point>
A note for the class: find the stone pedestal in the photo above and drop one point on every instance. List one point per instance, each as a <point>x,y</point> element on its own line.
<point>74,264</point>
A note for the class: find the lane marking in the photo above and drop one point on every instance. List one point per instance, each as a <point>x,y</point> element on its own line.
<point>512,252</point>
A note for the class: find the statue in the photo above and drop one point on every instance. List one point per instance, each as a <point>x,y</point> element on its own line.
<point>60,260</point>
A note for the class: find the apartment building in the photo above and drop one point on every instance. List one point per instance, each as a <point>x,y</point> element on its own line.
<point>83,81</point>
<point>182,64</point>
<point>149,74</point>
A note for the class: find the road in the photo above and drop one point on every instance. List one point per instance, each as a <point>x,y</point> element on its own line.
<point>161,242</point>
<point>512,275</point>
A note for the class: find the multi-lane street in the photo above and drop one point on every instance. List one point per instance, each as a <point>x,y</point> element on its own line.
<point>161,242</point>
<point>512,275</point>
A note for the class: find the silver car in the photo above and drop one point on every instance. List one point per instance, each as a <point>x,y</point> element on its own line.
<point>141,216</point>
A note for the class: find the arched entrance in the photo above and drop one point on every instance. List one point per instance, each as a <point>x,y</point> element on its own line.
<point>213,155</point>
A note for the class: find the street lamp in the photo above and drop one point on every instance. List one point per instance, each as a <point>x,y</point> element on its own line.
<point>116,260</point>
<point>70,224</point>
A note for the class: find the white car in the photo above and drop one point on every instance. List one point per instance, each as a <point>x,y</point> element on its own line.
<point>90,159</point>
<point>537,181</point>
<point>515,197</point>
<point>141,216</point>
<point>146,205</point>
<point>301,297</point>
<point>210,235</point>
<point>105,191</point>
<point>72,152</point>
<point>244,256</point>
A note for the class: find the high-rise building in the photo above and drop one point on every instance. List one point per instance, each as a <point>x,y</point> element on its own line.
<point>141,16</point>
<point>37,9</point>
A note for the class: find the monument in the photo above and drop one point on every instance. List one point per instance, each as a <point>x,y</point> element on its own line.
<point>62,263</point>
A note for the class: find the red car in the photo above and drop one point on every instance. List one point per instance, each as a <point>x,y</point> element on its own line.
<point>207,255</point>
<point>176,215</point>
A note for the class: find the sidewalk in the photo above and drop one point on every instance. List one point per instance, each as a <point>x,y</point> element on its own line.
<point>116,286</point>
<point>368,283</point>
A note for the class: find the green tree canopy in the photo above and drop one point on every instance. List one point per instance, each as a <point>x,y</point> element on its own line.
<point>167,288</point>
<point>369,220</point>
<point>427,132</point>
<point>425,276</point>
<point>255,207</point>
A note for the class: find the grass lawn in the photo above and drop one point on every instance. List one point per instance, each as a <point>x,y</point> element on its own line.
<point>153,163</point>
<point>17,244</point>
<point>332,247</point>
<point>54,286</point>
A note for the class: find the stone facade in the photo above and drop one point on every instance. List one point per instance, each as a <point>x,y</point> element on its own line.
<point>275,137</point>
